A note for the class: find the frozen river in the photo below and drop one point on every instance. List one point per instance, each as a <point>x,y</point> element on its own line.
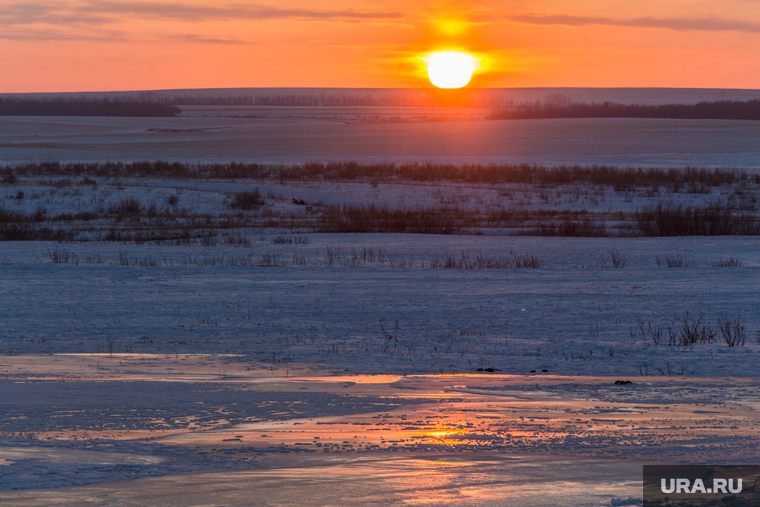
<point>229,432</point>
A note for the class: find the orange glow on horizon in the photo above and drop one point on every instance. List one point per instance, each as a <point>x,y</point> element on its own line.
<point>74,45</point>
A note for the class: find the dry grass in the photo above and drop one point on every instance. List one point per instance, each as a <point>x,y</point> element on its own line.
<point>668,220</point>
<point>620,179</point>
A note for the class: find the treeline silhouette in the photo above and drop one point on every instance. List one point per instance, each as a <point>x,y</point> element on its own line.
<point>618,178</point>
<point>410,98</point>
<point>310,100</point>
<point>718,110</point>
<point>83,107</point>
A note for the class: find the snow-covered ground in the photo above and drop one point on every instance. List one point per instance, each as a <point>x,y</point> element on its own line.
<point>233,352</point>
<point>297,136</point>
<point>72,195</point>
<point>382,303</point>
<point>575,314</point>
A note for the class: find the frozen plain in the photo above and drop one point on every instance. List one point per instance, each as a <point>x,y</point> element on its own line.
<point>451,135</point>
<point>212,384</point>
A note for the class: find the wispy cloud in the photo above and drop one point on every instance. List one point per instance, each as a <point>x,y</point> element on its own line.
<point>53,13</point>
<point>36,34</point>
<point>91,20</point>
<point>677,24</point>
<point>62,13</point>
<point>231,11</point>
<point>207,40</point>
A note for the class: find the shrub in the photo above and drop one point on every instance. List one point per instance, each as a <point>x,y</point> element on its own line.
<point>584,228</point>
<point>733,331</point>
<point>9,177</point>
<point>618,260</point>
<point>672,261</point>
<point>731,262</point>
<point>527,261</point>
<point>694,330</point>
<point>247,200</point>
<point>19,217</point>
<point>83,216</point>
<point>668,220</point>
<point>651,330</point>
<point>27,232</point>
<point>356,218</point>
<point>62,256</point>
<point>126,206</point>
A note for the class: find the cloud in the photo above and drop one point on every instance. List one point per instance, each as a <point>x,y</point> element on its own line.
<point>207,40</point>
<point>68,20</point>
<point>27,34</point>
<point>53,13</point>
<point>677,24</point>
<point>232,11</point>
<point>67,14</point>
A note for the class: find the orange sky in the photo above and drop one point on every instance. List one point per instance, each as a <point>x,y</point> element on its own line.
<point>74,45</point>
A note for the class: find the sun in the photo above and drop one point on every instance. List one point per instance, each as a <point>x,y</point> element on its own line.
<point>450,69</point>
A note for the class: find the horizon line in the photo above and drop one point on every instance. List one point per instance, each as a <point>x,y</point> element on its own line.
<point>438,90</point>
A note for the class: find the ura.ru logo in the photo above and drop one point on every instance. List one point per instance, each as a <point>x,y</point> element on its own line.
<point>678,486</point>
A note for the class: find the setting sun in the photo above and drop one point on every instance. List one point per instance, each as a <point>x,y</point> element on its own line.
<point>450,69</point>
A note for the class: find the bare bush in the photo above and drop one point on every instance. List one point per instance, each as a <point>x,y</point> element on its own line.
<point>123,258</point>
<point>125,206</point>
<point>731,262</point>
<point>672,261</point>
<point>586,227</point>
<point>111,344</point>
<point>26,232</point>
<point>527,261</point>
<point>619,260</point>
<point>393,335</point>
<point>272,260</point>
<point>62,256</point>
<point>695,330</point>
<point>733,331</point>
<point>372,218</point>
<point>247,200</point>
<point>19,217</point>
<point>668,220</point>
<point>9,177</point>
<point>651,331</point>
<point>237,240</point>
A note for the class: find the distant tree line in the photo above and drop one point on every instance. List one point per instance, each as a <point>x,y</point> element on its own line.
<point>308,100</point>
<point>83,107</point>
<point>556,105</point>
<point>154,104</point>
<point>557,108</point>
<point>412,98</point>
